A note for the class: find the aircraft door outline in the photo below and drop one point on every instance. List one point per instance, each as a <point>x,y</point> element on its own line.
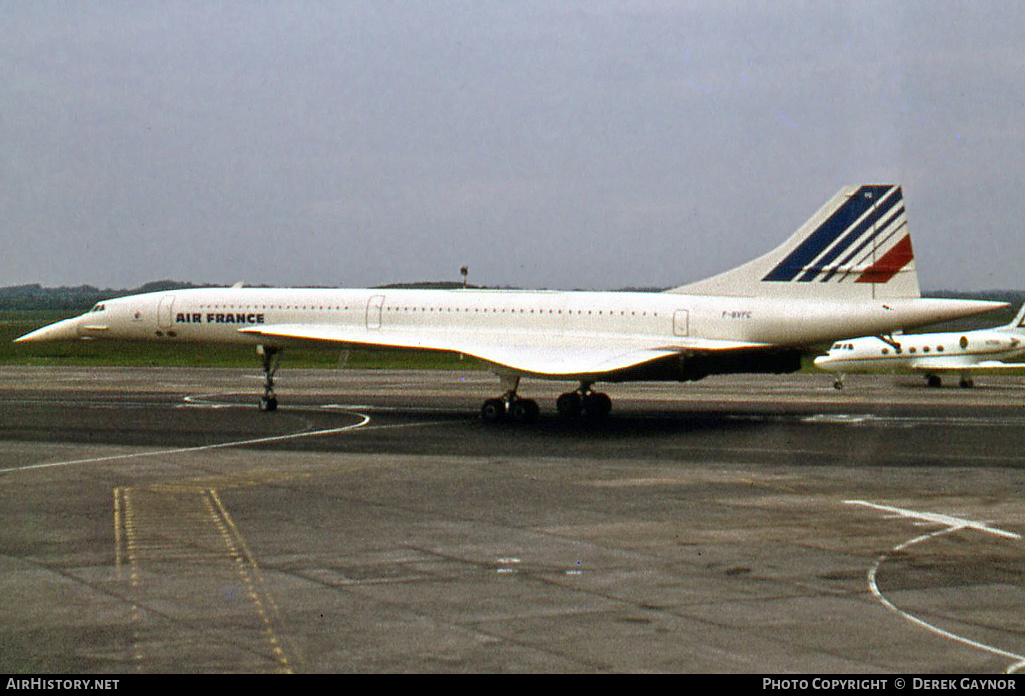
<point>165,312</point>
<point>681,322</point>
<point>374,307</point>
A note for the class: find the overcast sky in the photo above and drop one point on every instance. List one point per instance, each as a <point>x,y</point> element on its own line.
<point>548,144</point>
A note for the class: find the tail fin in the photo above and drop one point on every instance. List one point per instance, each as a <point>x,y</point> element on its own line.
<point>856,247</point>
<point>1019,321</point>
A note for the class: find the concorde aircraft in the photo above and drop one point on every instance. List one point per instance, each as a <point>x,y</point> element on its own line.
<point>848,270</point>
<point>934,355</point>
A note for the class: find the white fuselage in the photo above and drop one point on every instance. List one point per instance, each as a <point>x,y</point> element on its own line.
<point>623,319</point>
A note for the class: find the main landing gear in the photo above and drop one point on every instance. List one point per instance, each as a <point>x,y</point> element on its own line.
<point>582,402</point>
<point>510,405</point>
<point>271,359</point>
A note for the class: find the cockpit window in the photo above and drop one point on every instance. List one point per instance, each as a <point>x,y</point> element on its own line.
<point>98,308</point>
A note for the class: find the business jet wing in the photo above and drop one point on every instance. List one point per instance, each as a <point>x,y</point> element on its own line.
<point>523,353</point>
<point>949,366</point>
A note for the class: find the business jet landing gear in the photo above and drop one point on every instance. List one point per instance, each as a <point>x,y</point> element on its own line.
<point>583,401</point>
<point>509,405</point>
<point>838,383</point>
<point>935,381</point>
<point>271,359</point>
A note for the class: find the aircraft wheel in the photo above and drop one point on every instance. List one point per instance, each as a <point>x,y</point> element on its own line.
<point>526,410</point>
<point>268,403</point>
<point>493,411</point>
<point>967,384</point>
<point>934,381</point>
<point>838,385</point>
<point>569,405</point>
<point>597,405</point>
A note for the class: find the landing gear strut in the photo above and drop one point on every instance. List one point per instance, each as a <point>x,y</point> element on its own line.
<point>509,405</point>
<point>583,401</point>
<point>271,359</point>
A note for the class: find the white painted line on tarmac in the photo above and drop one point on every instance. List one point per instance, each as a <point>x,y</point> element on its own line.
<point>200,448</point>
<point>954,523</point>
<point>950,524</point>
<point>203,401</point>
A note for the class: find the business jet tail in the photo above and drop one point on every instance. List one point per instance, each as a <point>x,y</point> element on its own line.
<point>856,247</point>
<point>1018,323</point>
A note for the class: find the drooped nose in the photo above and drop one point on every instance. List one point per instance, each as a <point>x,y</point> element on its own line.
<point>822,362</point>
<point>64,330</point>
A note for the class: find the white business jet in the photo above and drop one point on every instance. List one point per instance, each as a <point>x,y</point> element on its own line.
<point>934,355</point>
<point>849,270</point>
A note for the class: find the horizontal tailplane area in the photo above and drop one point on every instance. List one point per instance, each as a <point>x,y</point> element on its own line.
<point>856,247</point>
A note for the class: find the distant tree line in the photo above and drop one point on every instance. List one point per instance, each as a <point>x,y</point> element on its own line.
<point>81,297</point>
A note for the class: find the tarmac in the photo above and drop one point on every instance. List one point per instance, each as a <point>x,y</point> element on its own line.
<point>154,521</point>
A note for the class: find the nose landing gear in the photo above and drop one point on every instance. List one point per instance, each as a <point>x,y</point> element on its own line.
<point>271,359</point>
